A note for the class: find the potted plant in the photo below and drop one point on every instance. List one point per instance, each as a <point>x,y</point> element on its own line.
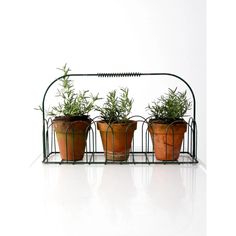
<point>116,129</point>
<point>167,126</point>
<point>71,119</point>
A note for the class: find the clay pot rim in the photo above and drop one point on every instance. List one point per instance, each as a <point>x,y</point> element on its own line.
<point>117,123</point>
<point>162,122</point>
<point>129,126</point>
<point>165,128</point>
<point>72,118</point>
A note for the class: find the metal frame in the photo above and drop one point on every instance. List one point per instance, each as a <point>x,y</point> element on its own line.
<point>145,156</point>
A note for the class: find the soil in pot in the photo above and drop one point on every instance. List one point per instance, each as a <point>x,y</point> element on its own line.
<point>71,136</point>
<point>167,139</point>
<point>117,139</point>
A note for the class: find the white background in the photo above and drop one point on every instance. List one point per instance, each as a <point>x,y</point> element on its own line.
<point>98,36</point>
<point>221,194</point>
<point>24,34</point>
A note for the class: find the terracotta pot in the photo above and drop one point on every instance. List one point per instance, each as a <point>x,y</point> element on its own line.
<point>71,137</point>
<point>167,139</point>
<point>117,139</point>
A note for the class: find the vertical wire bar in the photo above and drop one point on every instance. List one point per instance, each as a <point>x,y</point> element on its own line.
<point>88,135</point>
<point>73,143</point>
<point>87,140</point>
<point>93,144</point>
<point>142,141</point>
<point>87,144</point>
<point>113,144</point>
<point>183,148</point>
<point>43,134</point>
<point>51,143</point>
<point>133,151</point>
<point>146,148</point>
<point>54,139</point>
<point>188,141</point>
<point>126,152</point>
<point>166,143</point>
<point>195,128</point>
<point>152,135</point>
<point>146,143</point>
<point>194,139</point>
<point>106,150</point>
<point>183,144</point>
<point>67,144</point>
<point>173,148</point>
<point>142,136</point>
<point>153,144</point>
<point>191,142</point>
<point>47,143</point>
<point>95,138</point>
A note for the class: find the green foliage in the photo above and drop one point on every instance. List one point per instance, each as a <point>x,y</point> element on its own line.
<point>72,104</point>
<point>117,107</point>
<point>173,106</point>
<point>38,108</point>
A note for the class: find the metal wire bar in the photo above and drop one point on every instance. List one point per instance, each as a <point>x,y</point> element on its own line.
<point>131,74</point>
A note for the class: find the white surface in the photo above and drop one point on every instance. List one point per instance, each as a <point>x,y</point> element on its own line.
<point>221,194</point>
<point>106,200</point>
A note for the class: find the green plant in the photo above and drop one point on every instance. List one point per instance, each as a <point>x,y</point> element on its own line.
<point>117,107</point>
<point>173,106</point>
<point>72,104</point>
